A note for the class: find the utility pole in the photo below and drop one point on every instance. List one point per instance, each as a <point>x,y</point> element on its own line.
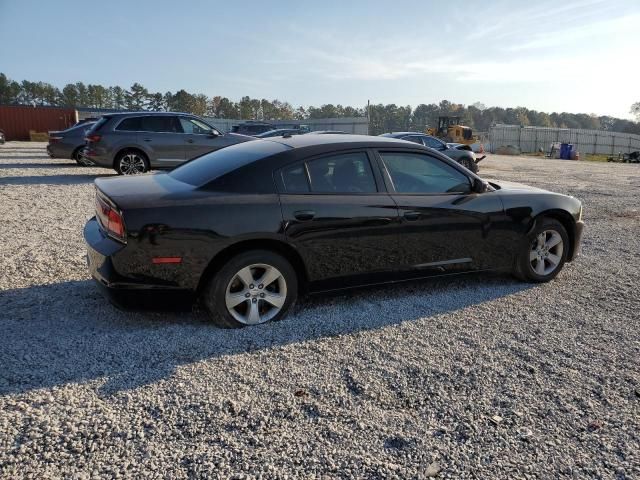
<point>368,117</point>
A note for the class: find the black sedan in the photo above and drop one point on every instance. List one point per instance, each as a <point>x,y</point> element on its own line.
<point>249,227</point>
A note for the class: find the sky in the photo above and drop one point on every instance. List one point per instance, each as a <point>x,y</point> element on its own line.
<point>577,56</point>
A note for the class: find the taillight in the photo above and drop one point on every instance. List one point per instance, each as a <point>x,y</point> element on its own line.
<point>110,219</point>
<point>93,138</point>
<point>55,139</point>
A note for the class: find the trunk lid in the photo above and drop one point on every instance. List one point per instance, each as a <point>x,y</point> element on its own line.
<point>147,190</point>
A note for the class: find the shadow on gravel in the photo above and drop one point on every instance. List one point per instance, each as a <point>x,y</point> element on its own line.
<point>6,149</point>
<point>30,156</point>
<point>8,166</point>
<point>50,179</point>
<point>68,333</point>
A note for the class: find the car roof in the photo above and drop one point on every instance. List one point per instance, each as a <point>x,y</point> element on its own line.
<point>335,140</point>
<point>146,114</point>
<point>403,134</point>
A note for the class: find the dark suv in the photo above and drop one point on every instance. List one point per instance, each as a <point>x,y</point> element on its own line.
<point>252,127</point>
<point>134,143</point>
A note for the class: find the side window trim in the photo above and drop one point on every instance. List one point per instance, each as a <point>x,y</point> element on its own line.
<point>371,158</point>
<point>140,117</point>
<point>389,181</point>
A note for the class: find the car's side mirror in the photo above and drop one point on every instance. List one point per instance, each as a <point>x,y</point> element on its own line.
<point>213,133</point>
<point>479,185</point>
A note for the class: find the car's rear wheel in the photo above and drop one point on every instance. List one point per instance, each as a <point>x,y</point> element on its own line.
<point>253,287</point>
<point>78,157</point>
<point>545,252</point>
<point>131,162</point>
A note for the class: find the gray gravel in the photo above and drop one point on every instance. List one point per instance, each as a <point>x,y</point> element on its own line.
<point>480,377</point>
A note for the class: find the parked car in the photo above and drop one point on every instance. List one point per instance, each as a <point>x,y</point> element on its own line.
<point>462,154</point>
<point>134,143</point>
<point>252,127</point>
<point>2,137</point>
<point>249,227</point>
<point>68,143</point>
<point>279,132</point>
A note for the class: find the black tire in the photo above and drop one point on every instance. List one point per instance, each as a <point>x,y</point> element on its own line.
<point>469,164</point>
<point>121,165</point>
<point>524,268</point>
<point>77,157</point>
<point>213,295</point>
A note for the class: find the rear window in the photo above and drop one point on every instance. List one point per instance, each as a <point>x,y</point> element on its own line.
<point>99,124</point>
<point>205,169</point>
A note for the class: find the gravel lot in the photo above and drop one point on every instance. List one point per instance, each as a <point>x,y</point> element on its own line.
<point>480,377</point>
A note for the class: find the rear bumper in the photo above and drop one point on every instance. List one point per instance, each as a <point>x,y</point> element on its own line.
<point>95,158</point>
<point>122,291</point>
<point>53,151</point>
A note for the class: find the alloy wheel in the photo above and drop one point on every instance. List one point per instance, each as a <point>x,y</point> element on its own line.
<point>256,294</point>
<point>132,164</point>
<point>546,252</point>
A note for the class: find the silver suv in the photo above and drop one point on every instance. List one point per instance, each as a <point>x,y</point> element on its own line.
<point>134,143</point>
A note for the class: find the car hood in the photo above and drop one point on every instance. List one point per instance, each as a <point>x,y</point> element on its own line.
<point>515,187</point>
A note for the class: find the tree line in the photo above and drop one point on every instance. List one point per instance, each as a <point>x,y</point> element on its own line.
<point>383,118</point>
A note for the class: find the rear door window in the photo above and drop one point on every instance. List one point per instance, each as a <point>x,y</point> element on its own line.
<point>295,179</point>
<point>131,124</point>
<point>343,173</point>
<point>160,124</point>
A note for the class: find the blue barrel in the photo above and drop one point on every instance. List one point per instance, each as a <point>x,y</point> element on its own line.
<point>569,148</point>
<point>563,151</point>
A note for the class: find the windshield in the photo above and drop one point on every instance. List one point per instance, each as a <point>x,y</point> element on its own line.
<point>207,168</point>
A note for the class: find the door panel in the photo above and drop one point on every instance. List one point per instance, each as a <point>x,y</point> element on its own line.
<point>342,235</point>
<point>160,134</point>
<point>449,232</point>
<point>444,226</point>
<point>167,148</point>
<point>199,138</point>
<point>345,230</point>
<point>196,145</point>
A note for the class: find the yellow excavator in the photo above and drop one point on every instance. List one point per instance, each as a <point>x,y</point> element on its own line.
<point>450,130</point>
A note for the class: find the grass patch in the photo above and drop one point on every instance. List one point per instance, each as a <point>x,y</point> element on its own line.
<point>597,157</point>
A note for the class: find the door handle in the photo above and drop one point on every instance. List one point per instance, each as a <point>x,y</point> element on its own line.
<point>412,215</point>
<point>304,215</point>
<point>147,139</point>
<point>189,140</point>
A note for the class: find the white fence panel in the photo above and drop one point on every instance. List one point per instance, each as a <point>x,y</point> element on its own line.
<point>532,139</point>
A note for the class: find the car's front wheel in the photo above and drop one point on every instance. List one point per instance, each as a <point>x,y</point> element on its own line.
<point>131,162</point>
<point>545,251</point>
<point>253,287</point>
